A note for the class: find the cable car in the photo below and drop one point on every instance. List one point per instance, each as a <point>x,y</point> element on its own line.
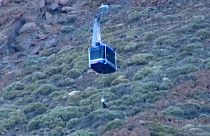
<point>102,57</point>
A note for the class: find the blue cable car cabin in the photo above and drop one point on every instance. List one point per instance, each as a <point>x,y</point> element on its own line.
<point>102,58</point>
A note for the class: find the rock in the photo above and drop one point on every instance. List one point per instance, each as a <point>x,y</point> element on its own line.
<point>36,50</point>
<point>66,9</point>
<point>51,42</point>
<point>41,4</point>
<point>54,6</point>
<point>28,28</point>
<point>62,2</point>
<point>48,16</point>
<point>73,93</point>
<point>5,2</point>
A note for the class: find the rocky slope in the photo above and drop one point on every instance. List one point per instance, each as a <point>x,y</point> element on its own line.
<point>161,86</point>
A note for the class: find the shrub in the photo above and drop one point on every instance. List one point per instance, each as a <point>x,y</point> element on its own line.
<point>13,95</point>
<point>15,86</point>
<point>72,123</point>
<point>107,80</point>
<point>16,90</point>
<point>161,52</point>
<point>163,130</point>
<point>102,116</point>
<point>114,124</point>
<point>45,121</point>
<point>73,73</point>
<point>140,59</point>
<point>173,72</point>
<point>150,36</point>
<point>120,79</point>
<point>192,28</point>
<point>38,76</point>
<point>67,113</point>
<point>203,34</point>
<point>45,89</point>
<point>16,118</point>
<point>150,86</point>
<point>164,42</point>
<point>132,46</point>
<point>165,85</point>
<point>55,78</point>
<point>194,39</point>
<point>49,71</point>
<point>59,95</point>
<point>142,73</point>
<point>34,109</point>
<point>83,132</point>
<point>191,48</point>
<point>66,82</point>
<point>128,100</point>
<point>152,96</point>
<point>191,110</point>
<point>174,111</point>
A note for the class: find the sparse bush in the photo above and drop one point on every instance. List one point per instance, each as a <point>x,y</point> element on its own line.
<point>174,111</point>
<point>140,59</point>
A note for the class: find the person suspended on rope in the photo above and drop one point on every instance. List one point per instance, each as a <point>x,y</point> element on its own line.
<point>104,105</point>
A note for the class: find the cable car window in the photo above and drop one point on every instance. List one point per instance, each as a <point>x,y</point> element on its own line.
<point>96,53</point>
<point>110,55</point>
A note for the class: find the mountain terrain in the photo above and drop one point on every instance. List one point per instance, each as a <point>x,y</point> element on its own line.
<point>161,87</point>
